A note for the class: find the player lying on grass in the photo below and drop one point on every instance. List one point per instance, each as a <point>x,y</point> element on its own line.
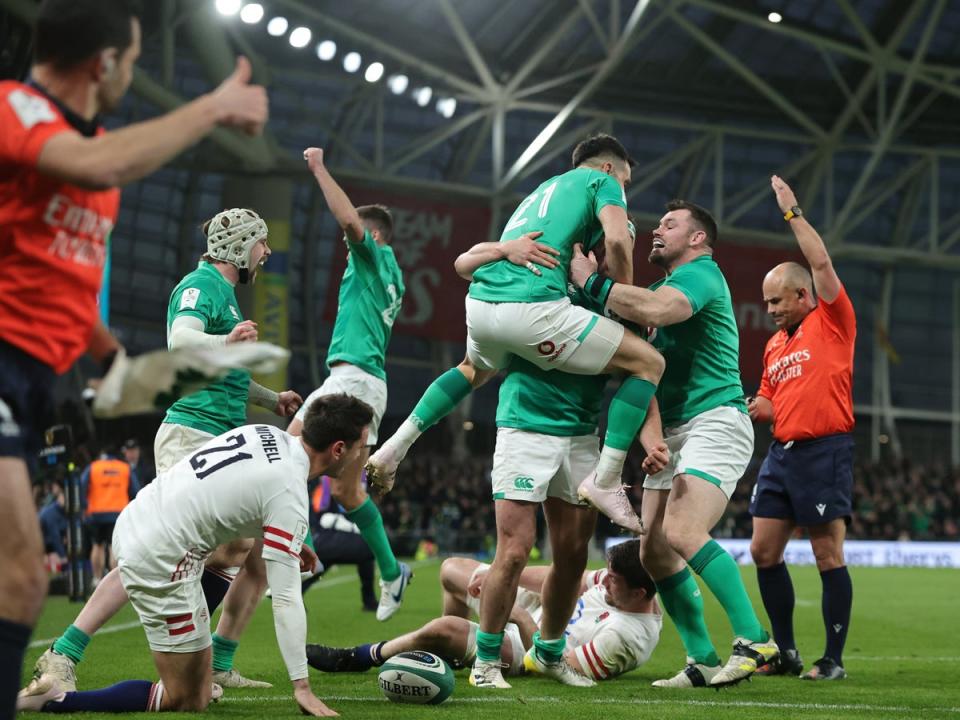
<point>614,628</point>
<point>245,483</point>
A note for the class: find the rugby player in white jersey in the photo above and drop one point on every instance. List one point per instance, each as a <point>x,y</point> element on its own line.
<point>249,482</point>
<point>614,627</point>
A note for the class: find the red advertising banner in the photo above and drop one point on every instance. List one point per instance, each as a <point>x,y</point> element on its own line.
<point>430,233</point>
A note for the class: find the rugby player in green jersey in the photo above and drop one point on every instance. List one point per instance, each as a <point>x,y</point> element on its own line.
<point>371,293</point>
<point>546,443</point>
<point>203,311</point>
<point>512,312</point>
<point>707,431</point>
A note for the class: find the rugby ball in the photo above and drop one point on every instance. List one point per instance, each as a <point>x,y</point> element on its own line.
<point>416,677</point>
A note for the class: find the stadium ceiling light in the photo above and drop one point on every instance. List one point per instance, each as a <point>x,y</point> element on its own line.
<point>277,26</point>
<point>774,17</point>
<point>252,13</point>
<point>398,84</point>
<point>422,96</point>
<point>447,106</point>
<point>326,50</point>
<point>352,62</point>
<point>374,72</point>
<point>228,7</point>
<point>300,37</point>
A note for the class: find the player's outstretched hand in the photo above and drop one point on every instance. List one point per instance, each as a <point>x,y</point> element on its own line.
<point>288,402</point>
<point>529,253</point>
<point>314,158</point>
<point>582,266</point>
<point>785,197</point>
<point>245,331</point>
<point>309,703</point>
<point>239,104</point>
<point>657,458</point>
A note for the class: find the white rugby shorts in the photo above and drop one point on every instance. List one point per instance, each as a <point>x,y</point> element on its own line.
<point>715,446</point>
<point>170,604</point>
<point>532,466</point>
<point>174,442</point>
<point>351,380</point>
<point>552,335</point>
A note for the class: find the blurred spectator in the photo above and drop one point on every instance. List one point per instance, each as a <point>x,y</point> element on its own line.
<point>144,471</point>
<point>106,486</point>
<point>53,524</point>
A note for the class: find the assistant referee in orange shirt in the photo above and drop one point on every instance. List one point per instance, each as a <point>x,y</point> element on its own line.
<point>807,477</point>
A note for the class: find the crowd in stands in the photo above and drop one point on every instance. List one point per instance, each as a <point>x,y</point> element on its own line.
<point>449,502</point>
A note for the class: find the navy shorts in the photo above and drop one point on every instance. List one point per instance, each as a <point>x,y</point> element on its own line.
<point>807,481</point>
<point>26,403</point>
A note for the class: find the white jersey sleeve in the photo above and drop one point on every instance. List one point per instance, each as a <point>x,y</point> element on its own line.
<point>616,649</point>
<point>285,525</point>
<point>289,616</point>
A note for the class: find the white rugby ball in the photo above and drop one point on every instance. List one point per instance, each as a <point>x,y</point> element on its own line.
<point>416,677</point>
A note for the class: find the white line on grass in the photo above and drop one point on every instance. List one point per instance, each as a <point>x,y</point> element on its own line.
<point>320,584</point>
<point>624,701</point>
<point>900,658</point>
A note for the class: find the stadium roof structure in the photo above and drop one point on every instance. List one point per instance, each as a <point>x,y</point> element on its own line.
<point>854,100</point>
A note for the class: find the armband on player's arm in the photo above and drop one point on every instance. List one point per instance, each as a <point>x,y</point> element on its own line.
<point>289,615</point>
<point>188,331</point>
<point>598,287</point>
<point>262,396</point>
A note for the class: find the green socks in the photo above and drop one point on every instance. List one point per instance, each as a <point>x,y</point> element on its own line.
<point>488,645</point>
<point>72,643</point>
<point>628,409</point>
<point>549,651</point>
<point>442,396</point>
<point>684,604</point>
<point>368,519</point>
<point>223,652</point>
<point>721,574</point>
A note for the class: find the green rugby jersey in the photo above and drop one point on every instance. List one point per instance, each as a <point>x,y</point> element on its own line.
<point>222,405</point>
<point>702,353</point>
<point>566,209</point>
<point>371,293</point>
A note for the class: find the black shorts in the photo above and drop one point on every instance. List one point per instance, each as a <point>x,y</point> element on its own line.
<point>26,403</point>
<point>808,481</point>
<point>100,532</point>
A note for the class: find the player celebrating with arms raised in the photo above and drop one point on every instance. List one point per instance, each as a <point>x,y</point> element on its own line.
<point>371,293</point>
<point>249,482</point>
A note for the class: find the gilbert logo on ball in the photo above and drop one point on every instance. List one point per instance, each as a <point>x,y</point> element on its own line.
<point>416,677</point>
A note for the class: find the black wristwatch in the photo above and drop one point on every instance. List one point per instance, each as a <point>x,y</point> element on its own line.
<point>792,213</point>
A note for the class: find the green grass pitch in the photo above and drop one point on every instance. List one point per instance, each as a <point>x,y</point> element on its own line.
<point>903,657</point>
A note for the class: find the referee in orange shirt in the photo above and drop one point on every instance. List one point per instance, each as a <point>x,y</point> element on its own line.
<point>59,174</point>
<point>807,477</point>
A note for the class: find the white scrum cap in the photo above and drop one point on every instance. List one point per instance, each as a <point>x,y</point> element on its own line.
<point>231,235</point>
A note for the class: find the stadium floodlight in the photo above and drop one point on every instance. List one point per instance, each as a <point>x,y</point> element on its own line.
<point>422,96</point>
<point>228,7</point>
<point>374,72</point>
<point>300,36</point>
<point>252,13</point>
<point>774,17</point>
<point>447,106</point>
<point>326,50</point>
<point>398,84</point>
<point>352,62</point>
<point>277,26</point>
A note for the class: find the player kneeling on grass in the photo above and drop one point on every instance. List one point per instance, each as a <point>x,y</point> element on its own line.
<point>245,483</point>
<point>614,628</point>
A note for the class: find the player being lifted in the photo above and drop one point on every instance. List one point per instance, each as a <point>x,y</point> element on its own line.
<point>512,311</point>
<point>371,292</point>
<point>249,482</point>
<point>202,312</point>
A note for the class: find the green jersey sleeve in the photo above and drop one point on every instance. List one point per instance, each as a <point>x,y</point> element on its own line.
<point>700,282</point>
<point>606,191</point>
<point>365,250</point>
<point>196,298</point>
